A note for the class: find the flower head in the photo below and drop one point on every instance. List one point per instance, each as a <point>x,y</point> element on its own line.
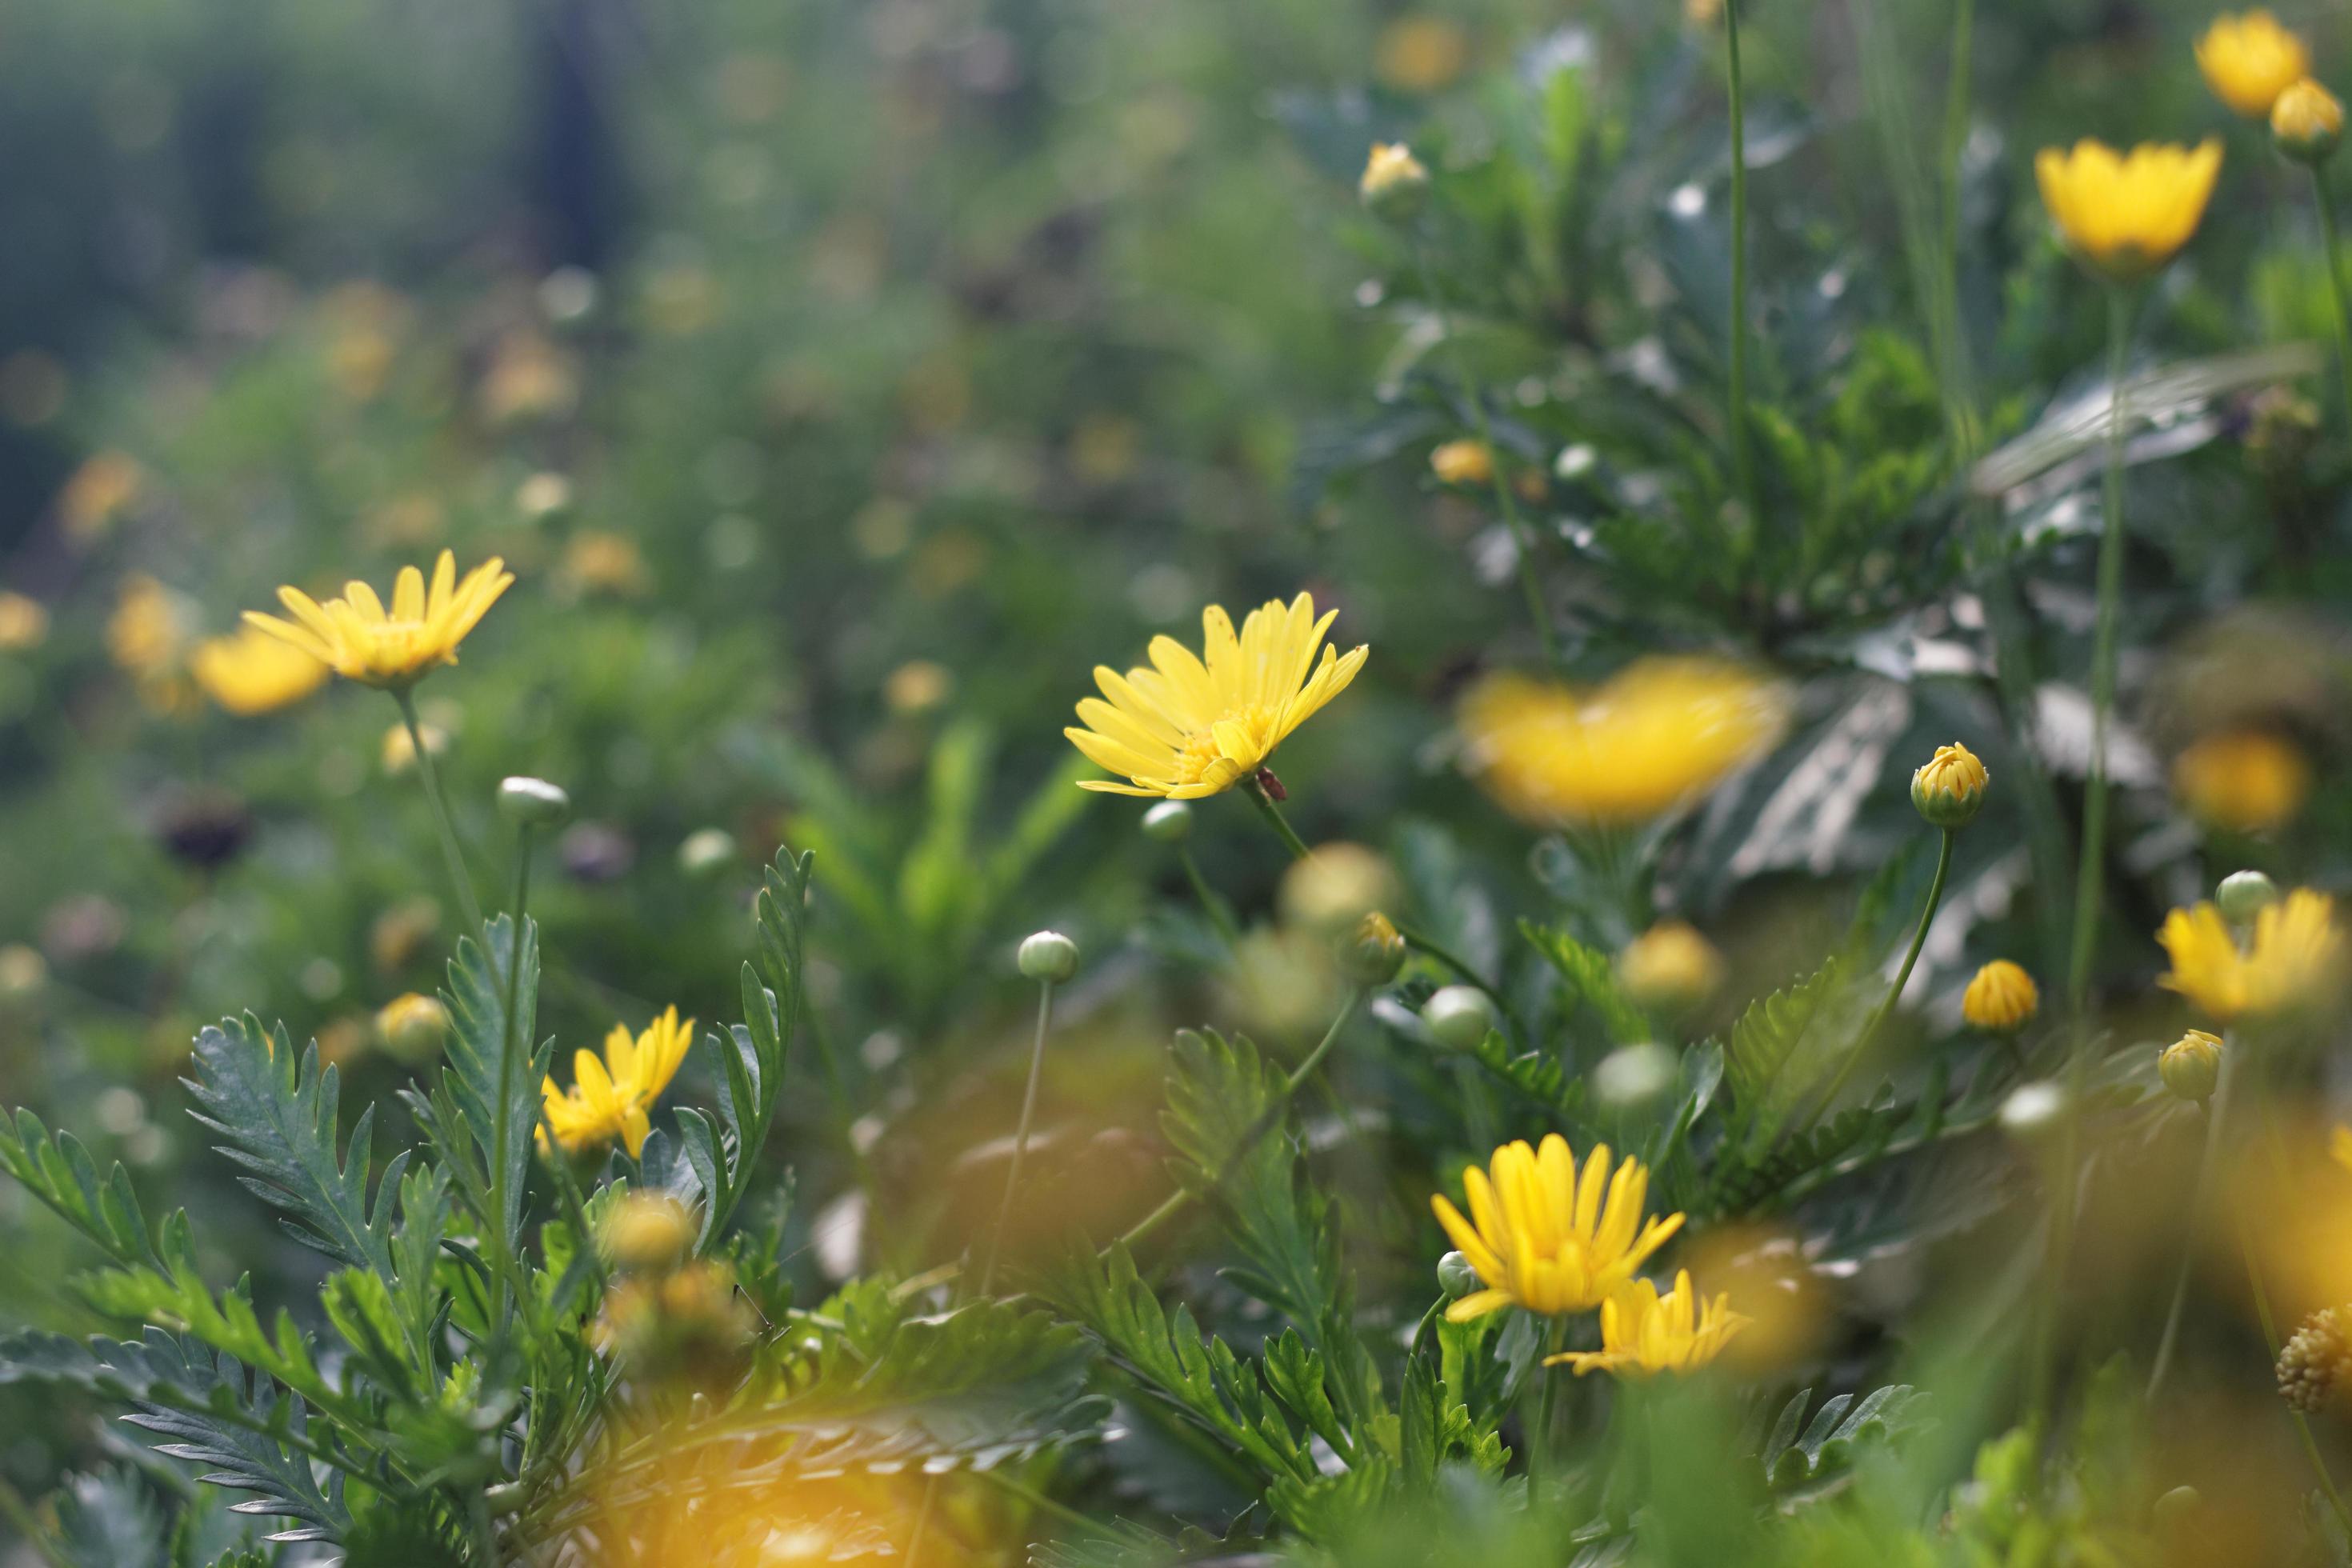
<point>2249,61</point>
<point>1670,965</point>
<point>2293,959</point>
<point>2191,1065</point>
<point>1948,789</point>
<point>2125,217</point>
<point>2306,121</point>
<point>1188,726</point>
<point>2313,1364</point>
<point>394,649</point>
<point>2243,781</point>
<point>414,1027</point>
<point>1657,734</point>
<point>1394,180</point>
<point>610,1098</point>
<point>1466,461</point>
<point>1643,1333</point>
<point>2001,999</point>
<point>249,672</point>
<point>1543,1237</point>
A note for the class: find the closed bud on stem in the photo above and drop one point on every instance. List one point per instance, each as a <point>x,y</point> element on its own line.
<point>1394,181</point>
<point>2191,1065</point>
<point>1048,957</point>
<point>1459,1015</point>
<point>1670,968</point>
<point>2242,895</point>
<point>1951,789</point>
<point>415,1027</point>
<point>2307,122</point>
<point>1456,1277</point>
<point>1374,952</point>
<point>532,803</point>
<point>1170,822</point>
<point>2001,999</point>
<point>647,1232</point>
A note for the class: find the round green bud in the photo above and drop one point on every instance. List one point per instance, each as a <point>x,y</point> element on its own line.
<point>2242,895</point>
<point>1048,957</point>
<point>533,803</point>
<point>1170,822</point>
<point>1635,1076</point>
<point>1373,952</point>
<point>1459,1015</point>
<point>705,850</point>
<point>2191,1066</point>
<point>1456,1277</point>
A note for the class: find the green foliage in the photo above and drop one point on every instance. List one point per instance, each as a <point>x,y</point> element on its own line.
<point>60,1173</point>
<point>1799,1458</point>
<point>1589,979</point>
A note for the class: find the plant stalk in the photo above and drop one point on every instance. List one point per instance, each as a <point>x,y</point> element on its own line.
<point>450,853</point>
<point>1894,992</point>
<point>2215,1113</point>
<point>1020,1136</point>
<point>1742,469</point>
<point>2331,232</point>
<point>504,1112</point>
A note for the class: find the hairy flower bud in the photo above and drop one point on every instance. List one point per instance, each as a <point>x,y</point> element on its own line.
<point>2307,122</point>
<point>415,1027</point>
<point>1950,790</point>
<point>1459,1015</point>
<point>2191,1065</point>
<point>1456,1277</point>
<point>533,803</point>
<point>1170,822</point>
<point>2242,895</point>
<point>1374,952</point>
<point>1670,967</point>
<point>1048,957</point>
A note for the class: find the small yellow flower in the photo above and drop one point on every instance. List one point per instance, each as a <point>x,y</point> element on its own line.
<point>2243,781</point>
<point>597,562</point>
<point>2249,61</point>
<point>1394,180</point>
<point>2307,121</point>
<point>2126,217</point>
<point>249,672</point>
<point>2294,960</point>
<point>1670,966</point>
<point>1654,736</point>
<point>1948,790</point>
<point>1546,1239</point>
<point>2191,1065</point>
<point>1185,727</point>
<point>99,491</point>
<point>1465,462</point>
<point>917,686</point>
<point>2001,999</point>
<point>1643,1333</point>
<point>361,641</point>
<point>610,1098</point>
<point>148,629</point>
<point>24,623</point>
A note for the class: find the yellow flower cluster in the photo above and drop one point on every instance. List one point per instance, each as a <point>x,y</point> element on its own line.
<point>2293,961</point>
<point>611,1098</point>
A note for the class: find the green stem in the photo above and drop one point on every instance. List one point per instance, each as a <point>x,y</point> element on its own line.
<point>1742,473</point>
<point>1894,992</point>
<point>2270,1338</point>
<point>2089,880</point>
<point>1020,1136</point>
<point>1280,824</point>
<point>503,1113</point>
<point>1540,1441</point>
<point>2214,1114</point>
<point>1959,393</point>
<point>450,852</point>
<point>2329,231</point>
<point>1210,905</point>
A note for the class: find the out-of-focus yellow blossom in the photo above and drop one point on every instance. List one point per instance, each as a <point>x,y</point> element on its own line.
<point>1394,181</point>
<point>2339,1147</point>
<point>249,672</point>
<point>1948,789</point>
<point>394,649</point>
<point>611,1097</point>
<point>148,629</point>
<point>528,376</point>
<point>24,623</point>
<point>400,747</point>
<point>365,322</point>
<point>1543,1237</point>
<point>1335,887</point>
<point>542,495</point>
<point>1466,461</point>
<point>1659,733</point>
<point>647,1231</point>
<point>2001,999</point>
<point>2307,122</point>
<point>688,1323</point>
<point>1670,965</point>
<point>413,1026</point>
<point>2248,59</point>
<point>597,562</point>
<point>2294,960</point>
<point>1643,1333</point>
<point>917,686</point>
<point>2243,781</point>
<point>1187,726</point>
<point>2125,217</point>
<point>1420,54</point>
<point>98,492</point>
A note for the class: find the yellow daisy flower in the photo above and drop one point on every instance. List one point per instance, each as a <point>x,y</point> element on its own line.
<point>2243,781</point>
<point>361,641</point>
<point>2295,959</point>
<point>251,672</point>
<point>2250,59</point>
<point>610,1098</point>
<point>1188,727</point>
<point>2125,217</point>
<point>1643,1333</point>
<point>1652,737</point>
<point>1541,1237</point>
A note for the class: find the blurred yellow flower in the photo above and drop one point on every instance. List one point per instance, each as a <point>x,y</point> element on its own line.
<point>393,650</point>
<point>2001,999</point>
<point>24,623</point>
<point>610,1098</point>
<point>2248,59</point>
<point>97,493</point>
<point>647,1231</point>
<point>2339,1147</point>
<point>1188,727</point>
<point>1643,1333</point>
<point>1542,1238</point>
<point>1394,181</point>
<point>2243,781</point>
<point>2126,217</point>
<point>2294,960</point>
<point>1420,54</point>
<point>1466,461</point>
<point>399,752</point>
<point>917,686</point>
<point>148,627</point>
<point>598,562</point>
<point>249,672</point>
<point>1670,965</point>
<point>528,376</point>
<point>1657,734</point>
<point>2307,121</point>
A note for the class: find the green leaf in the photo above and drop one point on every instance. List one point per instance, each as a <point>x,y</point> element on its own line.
<point>478,982</point>
<point>1539,1075</point>
<point>1795,1462</point>
<point>1588,977</point>
<point>61,1174</point>
<point>112,1520</point>
<point>1779,1049</point>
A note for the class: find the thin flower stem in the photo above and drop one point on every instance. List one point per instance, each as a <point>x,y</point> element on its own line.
<point>1742,471</point>
<point>2215,1112</point>
<point>1959,394</point>
<point>2270,1338</point>
<point>503,1113</point>
<point>450,852</point>
<point>2331,233</point>
<point>1540,1441</point>
<point>1894,992</point>
<point>1273,815</point>
<point>1210,905</point>
<point>1020,1136</point>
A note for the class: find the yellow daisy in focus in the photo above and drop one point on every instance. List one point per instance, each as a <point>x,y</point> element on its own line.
<point>1542,1238</point>
<point>2125,217</point>
<point>2294,960</point>
<point>251,672</point>
<point>2250,59</point>
<point>2243,781</point>
<point>1188,726</point>
<point>360,640</point>
<point>611,1097</point>
<point>1643,1333</point>
<point>1659,733</point>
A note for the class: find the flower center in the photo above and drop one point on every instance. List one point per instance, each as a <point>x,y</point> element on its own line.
<point>1202,751</point>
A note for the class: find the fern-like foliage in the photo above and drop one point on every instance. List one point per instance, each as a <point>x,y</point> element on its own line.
<point>110,1519</point>
<point>750,1057</point>
<point>1588,977</point>
<point>1778,1050</point>
<point>481,980</point>
<point>1742,1183</point>
<point>1800,1458</point>
<point>277,1112</point>
<point>1541,1076</point>
<point>60,1173</point>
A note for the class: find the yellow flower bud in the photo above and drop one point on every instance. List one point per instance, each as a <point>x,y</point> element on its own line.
<point>1670,967</point>
<point>2307,122</point>
<point>414,1027</point>
<point>1950,790</point>
<point>1394,181</point>
<point>2191,1065</point>
<point>2250,61</point>
<point>1374,953</point>
<point>2001,999</point>
<point>1464,462</point>
<point>647,1232</point>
